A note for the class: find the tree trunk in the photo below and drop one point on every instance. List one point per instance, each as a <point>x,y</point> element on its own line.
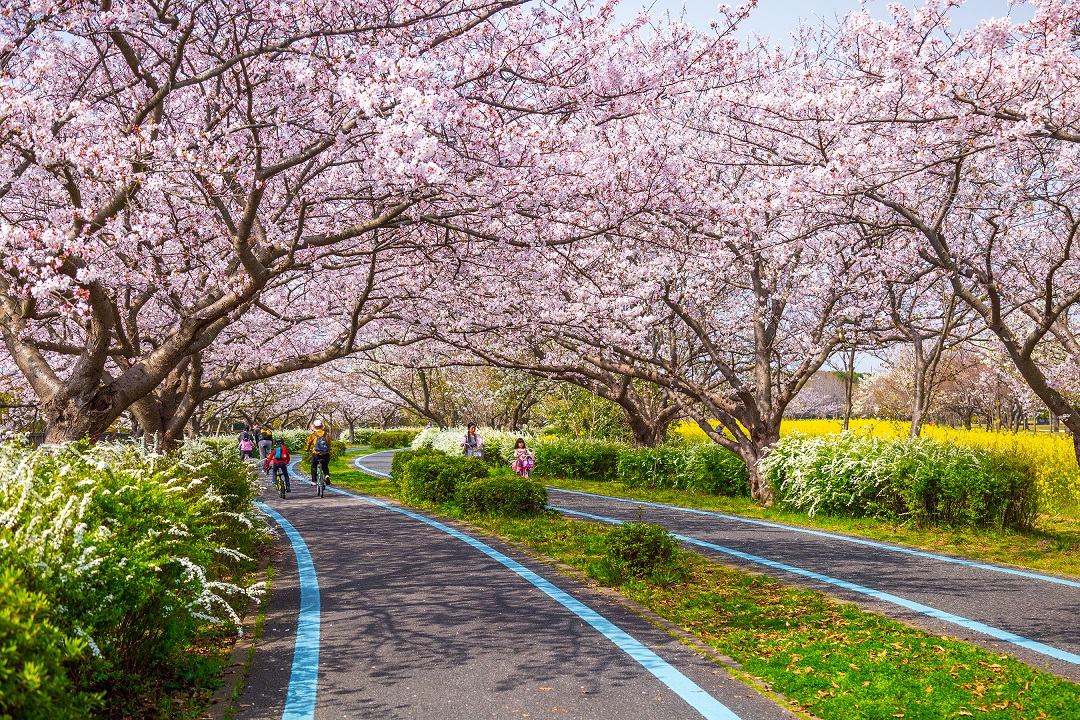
<point>646,432</point>
<point>136,429</point>
<point>195,425</point>
<point>916,422</point>
<point>70,417</point>
<point>165,418</point>
<point>148,414</point>
<point>759,489</point>
<point>920,393</point>
<point>849,387</point>
<point>751,452</point>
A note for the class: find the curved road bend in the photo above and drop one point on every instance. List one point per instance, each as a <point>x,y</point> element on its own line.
<point>415,623</point>
<point>1040,609</point>
<point>1037,608</point>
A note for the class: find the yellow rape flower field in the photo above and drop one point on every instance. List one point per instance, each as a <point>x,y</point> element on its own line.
<point>1050,455</point>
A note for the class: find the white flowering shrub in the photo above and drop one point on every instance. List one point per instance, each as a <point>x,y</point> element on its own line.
<point>137,554</point>
<point>498,444</point>
<point>921,479</point>
<point>294,439</point>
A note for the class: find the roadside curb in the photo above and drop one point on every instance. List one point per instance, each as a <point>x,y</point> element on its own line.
<point>235,671</point>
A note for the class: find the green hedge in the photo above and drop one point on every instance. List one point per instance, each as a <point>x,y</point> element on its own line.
<point>434,478</point>
<point>578,459</point>
<point>924,480</point>
<point>403,457</point>
<point>703,468</point>
<point>36,657</point>
<point>137,555</point>
<point>501,492</point>
<point>388,439</point>
<point>639,548</point>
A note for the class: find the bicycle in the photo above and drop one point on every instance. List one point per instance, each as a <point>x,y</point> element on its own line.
<point>279,480</point>
<point>320,481</point>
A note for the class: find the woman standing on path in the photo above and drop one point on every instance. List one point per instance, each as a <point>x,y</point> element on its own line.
<point>523,459</point>
<point>473,444</point>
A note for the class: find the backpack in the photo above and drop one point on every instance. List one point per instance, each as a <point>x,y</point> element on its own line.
<point>322,445</point>
<point>277,452</point>
<point>266,434</point>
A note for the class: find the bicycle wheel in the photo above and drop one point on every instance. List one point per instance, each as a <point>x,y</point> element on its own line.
<point>320,482</point>
<point>280,482</point>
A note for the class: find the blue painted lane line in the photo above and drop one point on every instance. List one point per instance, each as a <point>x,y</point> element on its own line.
<point>294,469</point>
<point>304,678</point>
<point>990,630</point>
<point>363,468</point>
<point>834,536</point>
<point>708,706</point>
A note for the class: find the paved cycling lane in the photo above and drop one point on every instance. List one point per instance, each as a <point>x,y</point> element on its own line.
<point>1037,609</point>
<point>416,623</point>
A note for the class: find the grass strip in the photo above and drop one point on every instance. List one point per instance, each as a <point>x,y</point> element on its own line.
<point>1053,546</point>
<point>828,658</point>
<point>260,623</point>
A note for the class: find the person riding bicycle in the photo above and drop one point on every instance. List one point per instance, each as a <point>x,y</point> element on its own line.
<point>278,462</point>
<point>247,444</point>
<point>265,436</point>
<point>318,444</point>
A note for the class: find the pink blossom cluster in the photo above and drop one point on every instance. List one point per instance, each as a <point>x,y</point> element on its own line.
<point>195,199</point>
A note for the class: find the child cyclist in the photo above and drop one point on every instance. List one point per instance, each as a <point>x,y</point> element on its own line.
<point>524,460</point>
<point>278,462</point>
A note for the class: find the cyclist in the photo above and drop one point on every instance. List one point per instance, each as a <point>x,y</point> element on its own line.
<point>277,461</point>
<point>318,444</point>
<point>266,442</point>
<point>247,445</point>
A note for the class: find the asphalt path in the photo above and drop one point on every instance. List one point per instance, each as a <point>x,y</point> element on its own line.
<point>1025,614</point>
<point>1040,611</point>
<point>418,623</point>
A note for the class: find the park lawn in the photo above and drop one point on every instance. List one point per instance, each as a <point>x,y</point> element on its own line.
<point>1053,546</point>
<point>342,473</point>
<point>828,658</point>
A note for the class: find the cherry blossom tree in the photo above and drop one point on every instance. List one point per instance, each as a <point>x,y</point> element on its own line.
<point>434,382</point>
<point>648,408</point>
<point>824,396</point>
<point>172,170</point>
<point>962,147</point>
<point>926,318</point>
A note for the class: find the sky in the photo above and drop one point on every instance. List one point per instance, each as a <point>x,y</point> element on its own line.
<point>778,18</point>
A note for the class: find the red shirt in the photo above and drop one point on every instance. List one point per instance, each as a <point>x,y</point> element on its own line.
<point>273,457</point>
